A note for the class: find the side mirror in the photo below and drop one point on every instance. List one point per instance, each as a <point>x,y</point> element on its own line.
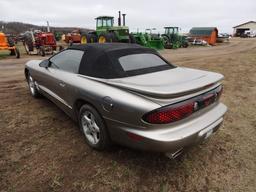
<point>45,63</point>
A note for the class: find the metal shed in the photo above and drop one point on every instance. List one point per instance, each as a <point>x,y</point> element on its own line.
<point>248,26</point>
<point>209,34</point>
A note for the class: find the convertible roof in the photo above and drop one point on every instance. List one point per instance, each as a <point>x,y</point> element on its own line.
<point>105,46</point>
<point>101,60</point>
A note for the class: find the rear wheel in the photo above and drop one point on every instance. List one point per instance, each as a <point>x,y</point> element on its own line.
<point>166,41</point>
<point>107,38</point>
<point>32,86</point>
<point>88,38</point>
<point>28,44</point>
<point>93,128</point>
<point>102,39</point>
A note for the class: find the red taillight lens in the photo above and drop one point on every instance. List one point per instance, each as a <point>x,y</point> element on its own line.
<point>168,115</point>
<point>182,110</point>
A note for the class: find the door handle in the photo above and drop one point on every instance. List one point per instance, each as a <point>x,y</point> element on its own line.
<point>62,84</point>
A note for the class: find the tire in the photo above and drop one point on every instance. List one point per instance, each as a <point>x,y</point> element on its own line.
<point>10,42</point>
<point>107,38</point>
<point>17,53</point>
<point>70,43</point>
<point>112,37</point>
<point>32,87</point>
<point>61,48</point>
<point>94,37</point>
<point>185,45</point>
<point>93,127</point>
<point>42,51</point>
<point>88,38</point>
<point>12,52</point>
<point>166,41</point>
<point>132,38</point>
<point>28,44</point>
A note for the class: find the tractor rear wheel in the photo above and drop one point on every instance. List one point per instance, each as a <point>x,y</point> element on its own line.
<point>28,44</point>
<point>102,39</point>
<point>88,38</point>
<point>107,38</point>
<point>166,40</point>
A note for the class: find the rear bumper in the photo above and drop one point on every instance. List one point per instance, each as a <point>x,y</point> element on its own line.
<point>173,137</point>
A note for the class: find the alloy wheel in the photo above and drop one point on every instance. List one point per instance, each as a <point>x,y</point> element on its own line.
<point>90,127</point>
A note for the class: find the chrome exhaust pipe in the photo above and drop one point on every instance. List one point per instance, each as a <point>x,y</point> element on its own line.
<point>175,154</point>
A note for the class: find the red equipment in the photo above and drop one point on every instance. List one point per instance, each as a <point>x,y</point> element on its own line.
<point>73,37</point>
<point>39,42</point>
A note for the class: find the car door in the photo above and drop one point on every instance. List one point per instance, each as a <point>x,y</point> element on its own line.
<point>63,67</point>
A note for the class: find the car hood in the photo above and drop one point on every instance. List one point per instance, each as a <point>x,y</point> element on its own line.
<point>169,83</point>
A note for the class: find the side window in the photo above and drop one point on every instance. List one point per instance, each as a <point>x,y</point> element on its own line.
<point>68,60</point>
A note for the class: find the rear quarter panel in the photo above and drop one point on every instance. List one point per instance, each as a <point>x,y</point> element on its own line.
<point>127,106</point>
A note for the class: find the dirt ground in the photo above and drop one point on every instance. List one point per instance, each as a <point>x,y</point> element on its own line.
<point>41,149</point>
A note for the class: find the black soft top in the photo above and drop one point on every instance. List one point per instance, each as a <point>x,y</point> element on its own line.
<point>101,60</point>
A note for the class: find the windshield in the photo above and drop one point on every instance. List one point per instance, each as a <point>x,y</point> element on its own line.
<point>105,22</point>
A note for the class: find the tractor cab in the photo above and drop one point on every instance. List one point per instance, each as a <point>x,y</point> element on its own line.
<point>104,22</point>
<point>171,30</point>
<point>172,39</point>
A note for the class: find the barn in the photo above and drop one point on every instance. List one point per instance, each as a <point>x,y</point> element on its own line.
<point>209,34</point>
<point>248,26</point>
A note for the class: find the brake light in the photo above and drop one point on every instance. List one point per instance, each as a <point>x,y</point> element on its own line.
<point>183,109</point>
<point>168,115</point>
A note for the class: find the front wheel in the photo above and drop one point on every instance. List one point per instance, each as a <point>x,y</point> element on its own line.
<point>93,128</point>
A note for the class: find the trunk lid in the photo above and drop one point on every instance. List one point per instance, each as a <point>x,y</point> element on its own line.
<point>169,83</point>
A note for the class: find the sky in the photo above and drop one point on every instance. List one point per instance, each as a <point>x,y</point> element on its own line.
<point>141,14</point>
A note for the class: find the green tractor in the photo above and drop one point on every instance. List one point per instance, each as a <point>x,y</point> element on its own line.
<point>172,39</point>
<point>150,40</point>
<point>107,32</point>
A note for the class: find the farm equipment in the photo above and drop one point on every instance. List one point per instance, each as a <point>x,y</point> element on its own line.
<point>154,41</point>
<point>172,39</point>
<point>107,32</point>
<point>73,37</point>
<point>39,42</point>
<point>6,43</point>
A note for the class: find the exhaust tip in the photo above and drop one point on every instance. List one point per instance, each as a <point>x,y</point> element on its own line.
<point>175,154</point>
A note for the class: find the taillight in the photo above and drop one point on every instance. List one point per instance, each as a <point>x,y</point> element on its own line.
<point>169,114</point>
<point>178,111</point>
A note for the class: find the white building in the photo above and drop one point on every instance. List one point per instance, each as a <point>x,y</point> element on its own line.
<point>248,26</point>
